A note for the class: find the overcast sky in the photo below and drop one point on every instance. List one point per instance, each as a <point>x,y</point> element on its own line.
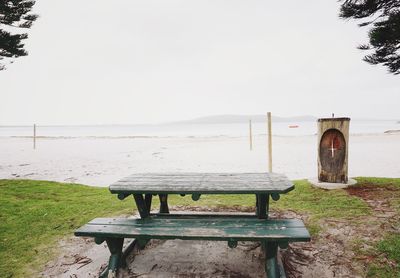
<point>129,61</point>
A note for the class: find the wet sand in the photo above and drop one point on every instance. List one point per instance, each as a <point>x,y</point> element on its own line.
<point>101,161</point>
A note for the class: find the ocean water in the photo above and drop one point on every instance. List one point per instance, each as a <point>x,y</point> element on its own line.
<point>357,127</point>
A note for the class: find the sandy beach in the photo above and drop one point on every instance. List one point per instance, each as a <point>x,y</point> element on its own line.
<point>99,161</point>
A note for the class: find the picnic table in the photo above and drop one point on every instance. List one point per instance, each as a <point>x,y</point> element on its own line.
<point>272,233</point>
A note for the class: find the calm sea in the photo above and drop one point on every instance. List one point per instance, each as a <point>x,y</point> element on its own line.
<point>192,130</point>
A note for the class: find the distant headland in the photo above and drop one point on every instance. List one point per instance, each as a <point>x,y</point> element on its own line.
<point>231,118</point>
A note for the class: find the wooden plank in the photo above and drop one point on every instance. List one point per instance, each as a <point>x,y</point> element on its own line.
<point>198,221</point>
<point>203,214</point>
<point>203,183</point>
<point>292,234</point>
<point>199,229</point>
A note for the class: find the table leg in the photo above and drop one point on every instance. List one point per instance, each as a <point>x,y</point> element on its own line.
<point>271,261</point>
<point>256,205</point>
<point>141,205</point>
<point>115,247</point>
<point>147,199</point>
<point>163,203</point>
<point>262,206</point>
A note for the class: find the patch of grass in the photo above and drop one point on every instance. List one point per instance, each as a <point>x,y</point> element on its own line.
<point>390,245</point>
<point>216,201</point>
<point>358,246</point>
<point>34,214</point>
<point>378,181</point>
<point>386,249</point>
<point>390,189</point>
<point>321,203</point>
<point>381,271</point>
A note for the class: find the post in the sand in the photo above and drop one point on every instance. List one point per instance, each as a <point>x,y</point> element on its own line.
<point>250,135</point>
<point>269,134</point>
<point>34,136</point>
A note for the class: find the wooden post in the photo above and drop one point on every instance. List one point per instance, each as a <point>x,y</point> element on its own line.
<point>34,136</point>
<point>269,142</point>
<point>250,136</point>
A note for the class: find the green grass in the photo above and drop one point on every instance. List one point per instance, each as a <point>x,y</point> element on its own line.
<point>387,183</point>
<point>35,214</point>
<point>388,248</point>
<point>320,203</point>
<point>378,181</point>
<point>382,271</point>
<point>391,246</point>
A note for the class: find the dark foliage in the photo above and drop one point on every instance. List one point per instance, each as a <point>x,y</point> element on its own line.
<point>14,14</point>
<point>384,36</point>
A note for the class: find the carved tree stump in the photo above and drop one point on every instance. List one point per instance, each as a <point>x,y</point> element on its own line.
<point>333,146</point>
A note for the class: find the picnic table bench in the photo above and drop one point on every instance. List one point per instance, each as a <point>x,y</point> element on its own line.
<point>271,233</point>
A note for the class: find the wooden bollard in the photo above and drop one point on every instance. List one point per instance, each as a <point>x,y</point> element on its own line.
<point>269,120</point>
<point>250,136</point>
<point>34,136</point>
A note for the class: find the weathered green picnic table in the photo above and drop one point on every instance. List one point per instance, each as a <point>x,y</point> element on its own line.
<point>272,233</point>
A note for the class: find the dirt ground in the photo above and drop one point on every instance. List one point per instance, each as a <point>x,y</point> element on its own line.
<point>330,254</point>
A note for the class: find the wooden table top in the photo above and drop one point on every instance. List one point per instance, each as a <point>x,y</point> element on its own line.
<point>203,183</point>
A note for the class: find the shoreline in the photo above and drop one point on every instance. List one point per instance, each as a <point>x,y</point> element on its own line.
<point>385,133</point>
<point>102,161</point>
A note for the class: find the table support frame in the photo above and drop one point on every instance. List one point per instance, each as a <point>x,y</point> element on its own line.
<point>115,262</point>
<point>271,262</point>
<point>143,204</point>
<point>262,205</point>
<point>163,203</point>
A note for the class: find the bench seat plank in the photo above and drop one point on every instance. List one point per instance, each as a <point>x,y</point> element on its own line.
<point>239,229</point>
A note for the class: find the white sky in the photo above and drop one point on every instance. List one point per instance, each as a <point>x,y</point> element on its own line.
<point>129,61</point>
